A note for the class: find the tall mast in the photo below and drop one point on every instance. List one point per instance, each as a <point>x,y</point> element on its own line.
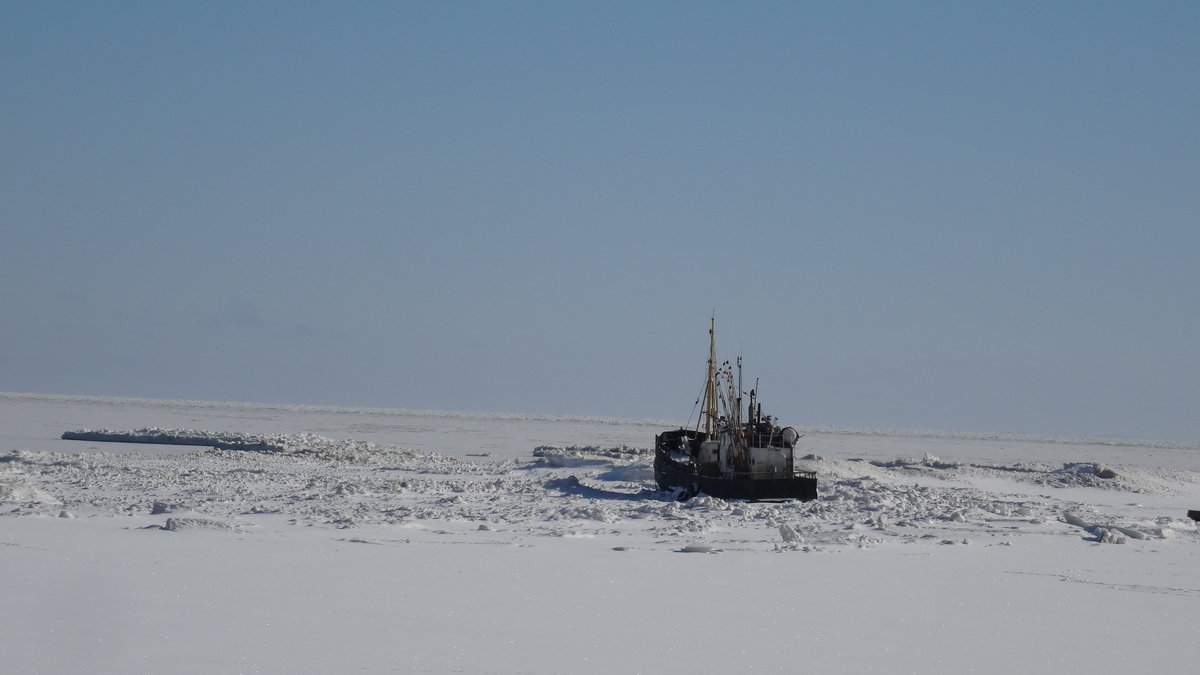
<point>738,418</point>
<point>710,380</point>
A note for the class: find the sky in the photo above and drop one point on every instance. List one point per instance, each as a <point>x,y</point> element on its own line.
<point>975,216</point>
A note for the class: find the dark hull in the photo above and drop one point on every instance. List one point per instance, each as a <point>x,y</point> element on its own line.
<point>671,474</point>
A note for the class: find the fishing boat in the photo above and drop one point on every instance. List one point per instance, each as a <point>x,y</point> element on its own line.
<point>732,452</point>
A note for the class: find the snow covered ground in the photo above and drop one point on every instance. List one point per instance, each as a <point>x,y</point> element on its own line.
<point>351,540</point>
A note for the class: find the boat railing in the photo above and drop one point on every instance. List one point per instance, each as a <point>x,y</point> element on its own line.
<point>797,473</point>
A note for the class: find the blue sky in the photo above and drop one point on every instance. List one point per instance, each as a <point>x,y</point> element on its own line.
<point>978,216</point>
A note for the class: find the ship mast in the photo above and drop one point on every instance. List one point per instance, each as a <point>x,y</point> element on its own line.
<point>710,382</point>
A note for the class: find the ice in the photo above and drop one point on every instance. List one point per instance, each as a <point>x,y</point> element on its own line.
<point>21,492</point>
<point>546,548</point>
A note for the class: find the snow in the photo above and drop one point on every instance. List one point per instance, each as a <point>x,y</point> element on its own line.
<point>345,540</point>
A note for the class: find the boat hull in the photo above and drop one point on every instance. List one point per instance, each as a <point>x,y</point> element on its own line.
<point>672,474</point>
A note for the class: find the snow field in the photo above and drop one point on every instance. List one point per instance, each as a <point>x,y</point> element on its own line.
<point>309,554</point>
<point>583,491</point>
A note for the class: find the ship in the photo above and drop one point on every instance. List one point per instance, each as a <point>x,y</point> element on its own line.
<point>732,451</point>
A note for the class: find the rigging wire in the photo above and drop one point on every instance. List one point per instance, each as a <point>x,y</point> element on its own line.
<point>693,413</point>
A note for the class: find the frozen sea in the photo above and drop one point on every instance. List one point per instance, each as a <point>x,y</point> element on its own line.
<point>443,542</point>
